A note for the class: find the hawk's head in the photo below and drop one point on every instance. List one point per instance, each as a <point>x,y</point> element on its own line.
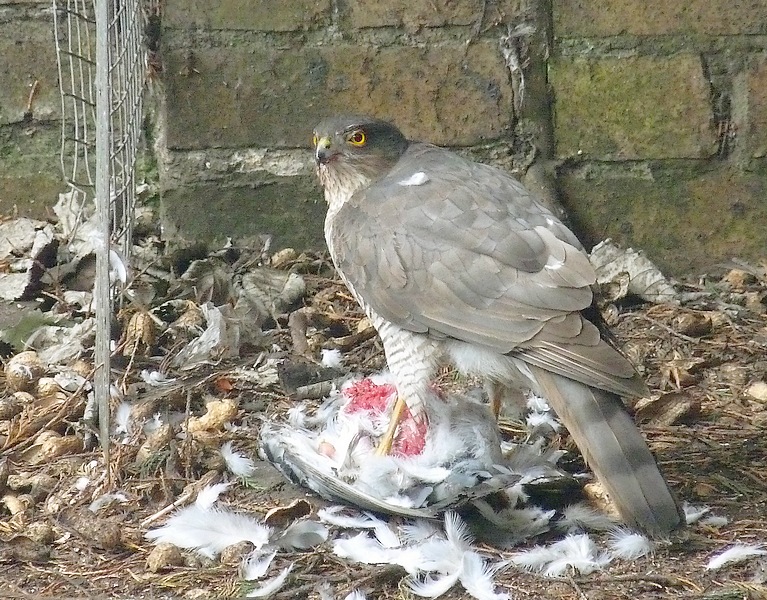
<point>352,151</point>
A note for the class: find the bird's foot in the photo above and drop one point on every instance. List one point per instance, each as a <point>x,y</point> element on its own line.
<point>385,445</point>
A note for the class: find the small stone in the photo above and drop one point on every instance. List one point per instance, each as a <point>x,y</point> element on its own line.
<point>756,302</point>
<point>758,391</point>
<point>93,530</point>
<point>10,406</point>
<point>23,371</point>
<point>738,279</point>
<point>162,556</point>
<point>693,324</point>
<point>40,532</point>
<point>232,555</point>
<point>734,375</point>
<point>47,387</point>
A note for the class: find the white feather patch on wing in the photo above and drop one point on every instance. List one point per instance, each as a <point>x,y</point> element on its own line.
<point>209,531</point>
<point>418,178</point>
<point>735,554</point>
<point>355,595</point>
<point>273,585</point>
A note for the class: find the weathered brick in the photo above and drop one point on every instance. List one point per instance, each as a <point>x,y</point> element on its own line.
<point>632,108</point>
<point>412,13</point>
<point>415,14</point>
<point>30,173</point>
<point>756,89</point>
<point>267,97</point>
<point>28,56</point>
<point>288,208</point>
<point>687,218</point>
<point>585,18</point>
<point>255,15</point>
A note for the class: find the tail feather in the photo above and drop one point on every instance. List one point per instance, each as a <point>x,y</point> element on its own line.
<point>615,450</point>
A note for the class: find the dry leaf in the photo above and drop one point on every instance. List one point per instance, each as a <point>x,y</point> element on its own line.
<point>286,514</point>
<point>666,409</point>
<point>50,445</point>
<point>613,264</point>
<point>693,324</point>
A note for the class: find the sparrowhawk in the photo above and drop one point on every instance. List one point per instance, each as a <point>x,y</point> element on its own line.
<point>454,260</point>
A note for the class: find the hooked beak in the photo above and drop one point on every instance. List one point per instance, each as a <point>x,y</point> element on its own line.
<point>323,153</point>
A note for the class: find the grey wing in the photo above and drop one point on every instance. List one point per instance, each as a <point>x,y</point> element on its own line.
<point>469,254</point>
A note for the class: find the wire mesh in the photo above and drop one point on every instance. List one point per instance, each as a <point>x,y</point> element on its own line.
<point>75,26</point>
<point>101,59</point>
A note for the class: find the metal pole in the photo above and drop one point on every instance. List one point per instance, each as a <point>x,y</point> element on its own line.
<point>102,295</point>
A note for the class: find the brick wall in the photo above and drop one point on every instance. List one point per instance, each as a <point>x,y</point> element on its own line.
<point>648,120</point>
<point>30,175</point>
<point>649,115</point>
<point>660,124</point>
<point>251,75</point>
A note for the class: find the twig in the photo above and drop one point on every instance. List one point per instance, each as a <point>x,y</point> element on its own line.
<point>671,330</point>
<point>577,588</point>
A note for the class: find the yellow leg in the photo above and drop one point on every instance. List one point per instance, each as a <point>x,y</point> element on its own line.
<point>496,399</point>
<point>384,447</point>
<point>495,392</point>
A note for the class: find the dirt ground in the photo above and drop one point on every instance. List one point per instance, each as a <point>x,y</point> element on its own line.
<point>703,359</point>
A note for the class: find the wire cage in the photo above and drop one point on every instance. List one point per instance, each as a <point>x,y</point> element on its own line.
<point>102,64</point>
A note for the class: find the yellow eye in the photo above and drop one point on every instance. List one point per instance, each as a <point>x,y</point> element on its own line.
<point>358,138</point>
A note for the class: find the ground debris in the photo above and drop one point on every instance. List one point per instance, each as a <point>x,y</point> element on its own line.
<point>211,345</point>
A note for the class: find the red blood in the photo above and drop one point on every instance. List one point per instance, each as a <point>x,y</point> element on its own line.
<point>364,395</point>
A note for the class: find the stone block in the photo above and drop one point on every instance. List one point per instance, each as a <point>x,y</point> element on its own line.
<point>585,18</point>
<point>30,176</point>
<point>291,209</point>
<point>756,90</point>
<point>686,218</point>
<point>272,97</point>
<point>632,108</point>
<point>254,15</point>
<point>28,56</point>
<point>413,14</point>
